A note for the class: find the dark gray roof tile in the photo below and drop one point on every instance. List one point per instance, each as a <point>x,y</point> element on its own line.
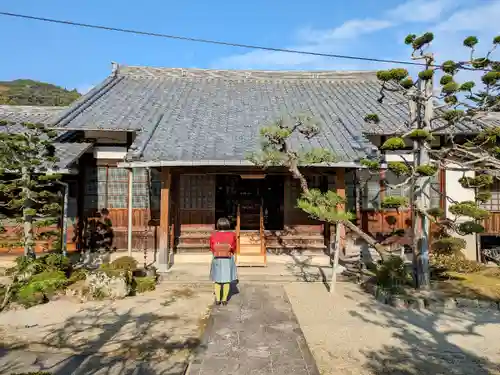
<point>195,114</point>
<point>67,153</point>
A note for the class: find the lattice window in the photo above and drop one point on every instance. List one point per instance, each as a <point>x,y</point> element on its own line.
<point>108,187</point>
<point>399,191</point>
<point>117,187</point>
<point>197,192</point>
<point>494,203</point>
<point>91,196</point>
<point>405,190</point>
<point>350,191</point>
<point>140,188</point>
<point>370,198</point>
<point>435,195</point>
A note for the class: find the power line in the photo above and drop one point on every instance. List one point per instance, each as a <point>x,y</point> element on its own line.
<point>209,41</point>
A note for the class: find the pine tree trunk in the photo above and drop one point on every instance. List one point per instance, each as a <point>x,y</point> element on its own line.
<point>293,168</point>
<point>336,256</point>
<point>367,238</point>
<point>27,217</point>
<point>424,190</point>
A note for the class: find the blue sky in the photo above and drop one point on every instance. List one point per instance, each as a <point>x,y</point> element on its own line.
<point>80,58</point>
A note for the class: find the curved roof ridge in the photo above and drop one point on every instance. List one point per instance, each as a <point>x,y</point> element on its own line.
<point>165,72</point>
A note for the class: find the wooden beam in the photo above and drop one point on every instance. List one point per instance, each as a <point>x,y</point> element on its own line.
<point>164,248</point>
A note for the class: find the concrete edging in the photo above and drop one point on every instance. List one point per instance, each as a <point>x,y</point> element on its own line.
<point>430,300</point>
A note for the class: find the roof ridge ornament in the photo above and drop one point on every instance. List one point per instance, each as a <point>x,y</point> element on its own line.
<point>115,67</point>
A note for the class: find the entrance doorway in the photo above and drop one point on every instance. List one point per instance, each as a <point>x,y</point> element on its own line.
<point>250,195</point>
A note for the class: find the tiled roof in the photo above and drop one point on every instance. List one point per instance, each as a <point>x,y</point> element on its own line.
<point>194,114</point>
<point>67,153</point>
<point>24,113</point>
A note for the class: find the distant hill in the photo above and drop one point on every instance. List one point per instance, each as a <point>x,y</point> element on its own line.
<point>29,92</point>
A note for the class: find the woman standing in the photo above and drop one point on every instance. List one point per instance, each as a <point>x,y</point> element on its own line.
<point>223,269</point>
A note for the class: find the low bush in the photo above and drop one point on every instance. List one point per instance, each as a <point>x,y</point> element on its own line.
<point>124,263</point>
<point>41,287</point>
<point>111,271</point>
<point>30,295</point>
<point>144,284</point>
<point>78,275</point>
<point>454,263</point>
<point>57,262</point>
<point>392,273</point>
<point>492,271</point>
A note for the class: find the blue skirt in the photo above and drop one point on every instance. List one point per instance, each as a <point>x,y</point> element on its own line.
<point>223,270</point>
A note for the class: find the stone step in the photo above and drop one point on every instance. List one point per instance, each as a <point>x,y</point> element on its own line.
<point>251,261</point>
<point>295,246</point>
<point>193,248</point>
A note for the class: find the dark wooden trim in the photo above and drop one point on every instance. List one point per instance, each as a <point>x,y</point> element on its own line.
<point>110,163</point>
<point>166,180</point>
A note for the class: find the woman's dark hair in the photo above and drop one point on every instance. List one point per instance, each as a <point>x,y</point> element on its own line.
<point>223,224</point>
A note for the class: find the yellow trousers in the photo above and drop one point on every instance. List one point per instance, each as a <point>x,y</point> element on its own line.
<point>225,291</point>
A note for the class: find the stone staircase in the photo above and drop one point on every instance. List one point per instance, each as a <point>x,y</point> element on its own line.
<point>304,241</point>
<point>194,240</point>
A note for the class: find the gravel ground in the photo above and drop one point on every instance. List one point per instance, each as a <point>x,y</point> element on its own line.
<point>350,333</point>
<point>160,326</point>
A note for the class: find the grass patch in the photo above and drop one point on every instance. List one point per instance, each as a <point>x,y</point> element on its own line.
<point>183,293</point>
<point>484,285</point>
<point>178,294</point>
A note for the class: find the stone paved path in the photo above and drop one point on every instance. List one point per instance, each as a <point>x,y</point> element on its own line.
<point>256,333</point>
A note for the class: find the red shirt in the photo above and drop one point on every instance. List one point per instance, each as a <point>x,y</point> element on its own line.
<point>223,237</point>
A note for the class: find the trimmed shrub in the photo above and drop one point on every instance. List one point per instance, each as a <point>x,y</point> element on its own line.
<point>392,274</point>
<point>454,263</point>
<point>57,262</point>
<point>124,263</point>
<point>40,287</point>
<point>78,275</point>
<point>144,284</point>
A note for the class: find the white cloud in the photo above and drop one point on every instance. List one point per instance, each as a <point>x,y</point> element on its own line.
<point>338,40</point>
<point>421,10</point>
<point>348,30</point>
<point>480,18</point>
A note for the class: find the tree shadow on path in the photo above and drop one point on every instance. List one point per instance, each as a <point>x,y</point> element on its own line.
<point>431,342</point>
<point>100,341</point>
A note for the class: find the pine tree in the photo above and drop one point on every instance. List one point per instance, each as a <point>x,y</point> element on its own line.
<point>29,190</point>
<point>429,113</point>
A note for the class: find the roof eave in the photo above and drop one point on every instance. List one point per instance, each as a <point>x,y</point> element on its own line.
<point>219,163</point>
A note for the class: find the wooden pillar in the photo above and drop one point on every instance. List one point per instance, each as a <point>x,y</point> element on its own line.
<point>164,248</point>
<point>130,210</point>
<point>340,189</point>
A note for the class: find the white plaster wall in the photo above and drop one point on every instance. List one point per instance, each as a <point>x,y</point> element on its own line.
<point>110,152</point>
<point>399,156</point>
<point>456,192</point>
